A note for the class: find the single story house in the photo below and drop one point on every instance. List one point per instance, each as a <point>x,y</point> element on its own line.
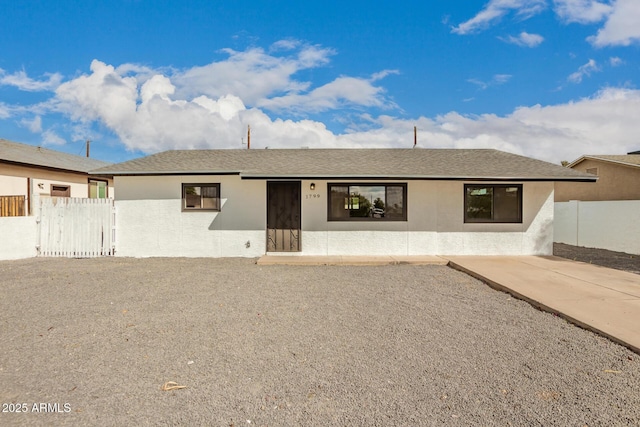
<point>618,179</point>
<point>27,170</point>
<point>247,203</point>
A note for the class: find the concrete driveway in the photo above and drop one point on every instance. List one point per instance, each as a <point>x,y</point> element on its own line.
<point>601,299</point>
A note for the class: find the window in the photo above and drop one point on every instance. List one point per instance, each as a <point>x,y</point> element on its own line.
<point>60,190</point>
<point>493,203</point>
<point>203,197</point>
<point>97,189</point>
<point>379,202</point>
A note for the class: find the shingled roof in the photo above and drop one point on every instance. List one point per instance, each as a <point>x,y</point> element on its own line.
<point>625,159</point>
<point>349,163</point>
<point>31,155</point>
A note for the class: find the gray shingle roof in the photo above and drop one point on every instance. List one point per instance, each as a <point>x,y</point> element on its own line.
<point>628,159</point>
<point>349,163</point>
<point>37,156</point>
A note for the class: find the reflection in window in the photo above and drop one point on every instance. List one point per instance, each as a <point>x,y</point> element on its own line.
<point>367,202</point>
<point>201,197</point>
<point>493,203</point>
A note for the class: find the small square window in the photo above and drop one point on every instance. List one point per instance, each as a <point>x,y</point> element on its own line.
<point>97,189</point>
<point>202,197</point>
<point>60,190</point>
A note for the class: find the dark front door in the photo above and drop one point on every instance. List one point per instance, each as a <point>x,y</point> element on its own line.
<point>283,216</point>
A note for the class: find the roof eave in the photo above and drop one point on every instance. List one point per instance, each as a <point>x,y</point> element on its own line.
<point>601,159</point>
<point>51,168</point>
<point>419,177</point>
<point>157,173</point>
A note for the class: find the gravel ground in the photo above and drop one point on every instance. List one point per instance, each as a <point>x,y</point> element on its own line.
<point>281,345</point>
<point>603,257</point>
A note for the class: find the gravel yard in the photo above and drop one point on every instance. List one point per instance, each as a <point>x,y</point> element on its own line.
<point>603,257</point>
<point>281,345</point>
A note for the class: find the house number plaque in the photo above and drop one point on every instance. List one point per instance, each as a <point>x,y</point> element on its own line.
<point>312,196</point>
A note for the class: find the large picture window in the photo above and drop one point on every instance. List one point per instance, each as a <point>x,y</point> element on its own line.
<point>202,197</point>
<point>493,203</point>
<point>367,202</point>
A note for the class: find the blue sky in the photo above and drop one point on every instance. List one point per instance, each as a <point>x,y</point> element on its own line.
<point>551,79</point>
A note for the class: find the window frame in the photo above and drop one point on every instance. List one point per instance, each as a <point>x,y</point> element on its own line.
<point>368,184</point>
<point>106,188</point>
<point>201,209</point>
<point>468,220</point>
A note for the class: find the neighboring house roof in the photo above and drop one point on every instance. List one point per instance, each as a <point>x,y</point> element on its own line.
<point>625,159</point>
<point>31,155</point>
<point>349,163</point>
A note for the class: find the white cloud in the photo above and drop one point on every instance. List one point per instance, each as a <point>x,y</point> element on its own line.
<point>343,91</point>
<point>20,80</point>
<point>252,74</point>
<point>49,137</point>
<point>622,27</point>
<point>150,118</point>
<point>615,61</point>
<point>604,123</point>
<point>496,9</point>
<point>582,11</point>
<point>4,111</point>
<point>584,70</point>
<point>151,110</point>
<point>496,80</point>
<point>34,125</point>
<point>525,39</point>
<point>287,44</point>
<point>621,18</point>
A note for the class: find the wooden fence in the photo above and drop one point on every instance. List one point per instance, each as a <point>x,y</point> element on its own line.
<point>12,205</point>
<point>76,227</point>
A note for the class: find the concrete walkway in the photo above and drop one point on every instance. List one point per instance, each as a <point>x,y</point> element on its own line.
<point>600,299</point>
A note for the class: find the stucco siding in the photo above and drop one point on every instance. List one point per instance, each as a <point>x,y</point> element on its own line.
<point>18,237</point>
<point>150,222</point>
<point>615,182</point>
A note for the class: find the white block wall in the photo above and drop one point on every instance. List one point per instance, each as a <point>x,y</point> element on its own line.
<point>612,225</point>
<point>149,222</point>
<point>18,237</point>
<point>435,225</point>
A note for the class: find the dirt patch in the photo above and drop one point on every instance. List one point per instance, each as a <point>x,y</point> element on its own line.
<point>602,257</point>
<point>293,345</point>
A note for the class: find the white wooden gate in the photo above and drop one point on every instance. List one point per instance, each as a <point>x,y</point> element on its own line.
<point>76,227</point>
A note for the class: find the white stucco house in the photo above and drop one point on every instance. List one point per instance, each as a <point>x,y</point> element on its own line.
<point>248,203</point>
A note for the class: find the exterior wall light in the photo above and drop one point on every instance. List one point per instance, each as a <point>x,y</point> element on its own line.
<point>312,186</point>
